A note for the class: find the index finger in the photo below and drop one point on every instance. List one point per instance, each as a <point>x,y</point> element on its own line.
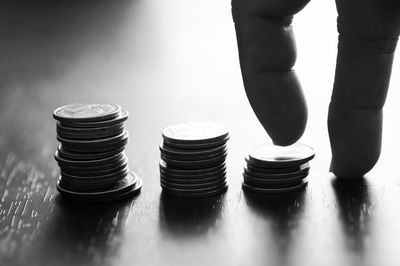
<point>267,54</point>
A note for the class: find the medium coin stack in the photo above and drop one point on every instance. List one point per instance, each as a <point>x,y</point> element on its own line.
<point>274,169</point>
<point>193,159</point>
<point>91,155</point>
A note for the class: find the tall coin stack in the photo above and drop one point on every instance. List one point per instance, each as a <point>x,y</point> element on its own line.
<point>91,155</point>
<point>274,169</point>
<point>193,159</point>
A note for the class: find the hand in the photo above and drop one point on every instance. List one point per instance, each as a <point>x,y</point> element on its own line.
<point>368,33</point>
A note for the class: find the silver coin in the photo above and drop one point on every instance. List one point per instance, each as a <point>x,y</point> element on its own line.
<point>304,168</point>
<point>83,112</point>
<point>121,117</point>
<point>133,191</point>
<point>269,155</point>
<point>192,171</point>
<point>120,186</point>
<point>190,195</point>
<point>168,188</point>
<point>93,169</point>
<point>91,185</point>
<point>204,185</point>
<point>174,152</point>
<point>196,145</point>
<point>195,132</point>
<point>260,182</point>
<point>76,131</point>
<point>190,180</point>
<point>81,143</point>
<point>98,162</point>
<point>87,156</point>
<point>165,156</point>
<point>201,164</point>
<point>301,185</point>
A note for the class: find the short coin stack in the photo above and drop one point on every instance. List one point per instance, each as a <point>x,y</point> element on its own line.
<point>193,159</point>
<point>274,169</point>
<point>91,156</point>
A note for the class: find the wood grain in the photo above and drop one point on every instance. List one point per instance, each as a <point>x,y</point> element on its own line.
<point>165,63</point>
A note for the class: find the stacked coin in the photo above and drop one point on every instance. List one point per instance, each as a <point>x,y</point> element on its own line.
<point>193,159</point>
<point>91,156</point>
<point>274,169</point>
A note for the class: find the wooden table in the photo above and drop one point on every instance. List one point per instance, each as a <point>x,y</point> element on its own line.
<point>168,62</point>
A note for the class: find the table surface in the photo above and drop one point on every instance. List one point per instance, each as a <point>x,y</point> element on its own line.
<point>167,62</point>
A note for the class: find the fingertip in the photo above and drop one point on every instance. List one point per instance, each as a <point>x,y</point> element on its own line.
<point>355,135</point>
<point>287,138</point>
<point>348,171</point>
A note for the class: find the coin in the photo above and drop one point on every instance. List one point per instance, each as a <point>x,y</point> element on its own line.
<point>83,112</point>
<point>133,191</point>
<point>88,156</point>
<point>127,187</point>
<point>210,193</point>
<point>259,182</point>
<point>195,132</point>
<point>84,172</point>
<point>303,170</point>
<point>202,176</point>
<point>189,180</point>
<point>93,169</point>
<point>302,185</point>
<point>121,117</point>
<point>197,164</point>
<point>273,169</point>
<point>193,190</point>
<point>193,159</point>
<point>256,169</point>
<point>91,157</point>
<point>190,172</point>
<point>203,185</point>
<point>96,178</point>
<point>67,162</point>
<point>87,185</point>
<point>93,142</point>
<point>190,153</point>
<point>192,146</point>
<point>95,146</point>
<point>119,187</point>
<point>89,133</point>
<point>269,155</point>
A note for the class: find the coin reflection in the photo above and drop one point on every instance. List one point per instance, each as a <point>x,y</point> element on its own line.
<point>82,233</point>
<point>284,211</point>
<point>189,217</point>
<point>354,202</point>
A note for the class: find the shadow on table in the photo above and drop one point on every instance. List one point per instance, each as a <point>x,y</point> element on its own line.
<point>80,233</point>
<point>40,39</point>
<point>40,42</point>
<point>354,203</point>
<point>189,217</point>
<point>284,211</point>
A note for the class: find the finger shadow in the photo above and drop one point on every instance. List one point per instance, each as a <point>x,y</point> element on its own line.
<point>284,211</point>
<point>185,218</point>
<point>354,203</point>
<point>79,233</point>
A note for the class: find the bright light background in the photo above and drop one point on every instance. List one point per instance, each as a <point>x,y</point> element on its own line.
<point>169,61</point>
<point>177,60</point>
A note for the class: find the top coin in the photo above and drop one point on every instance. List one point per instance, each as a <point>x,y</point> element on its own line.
<point>269,155</point>
<point>82,112</point>
<point>195,132</point>
<point>121,117</point>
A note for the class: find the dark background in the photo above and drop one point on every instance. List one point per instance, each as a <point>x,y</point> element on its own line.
<point>167,62</point>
